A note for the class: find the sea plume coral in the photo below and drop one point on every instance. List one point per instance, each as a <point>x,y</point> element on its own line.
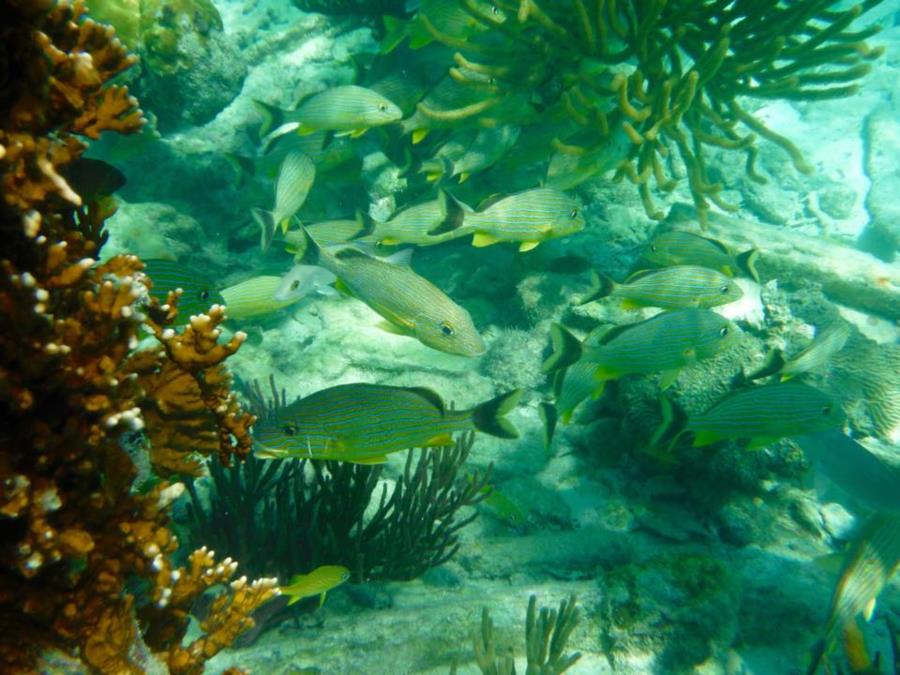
<point>74,532</point>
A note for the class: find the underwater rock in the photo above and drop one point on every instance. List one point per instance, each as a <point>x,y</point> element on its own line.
<point>513,360</point>
<point>153,230</point>
<point>192,70</point>
<point>881,139</point>
<point>838,522</point>
<point>847,275</point>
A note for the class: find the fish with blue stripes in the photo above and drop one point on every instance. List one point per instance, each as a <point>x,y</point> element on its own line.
<point>198,291</point>
<point>432,222</point>
<point>295,178</point>
<point>527,218</point>
<point>766,414</point>
<point>678,247</point>
<point>411,304</point>
<point>362,423</point>
<point>663,344</point>
<point>347,109</point>
<point>255,297</point>
<point>668,288</point>
<point>870,563</point>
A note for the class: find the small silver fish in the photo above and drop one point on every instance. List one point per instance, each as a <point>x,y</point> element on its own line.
<point>303,280</point>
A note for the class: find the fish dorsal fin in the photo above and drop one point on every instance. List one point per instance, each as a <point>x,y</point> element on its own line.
<point>640,274</point>
<point>431,396</point>
<point>490,200</point>
<point>612,333</point>
<point>718,244</point>
<point>350,253</point>
<point>402,258</point>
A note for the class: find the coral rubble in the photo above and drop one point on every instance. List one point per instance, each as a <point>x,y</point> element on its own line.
<point>75,534</point>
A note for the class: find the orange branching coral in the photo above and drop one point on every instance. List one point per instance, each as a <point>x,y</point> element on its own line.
<point>73,531</point>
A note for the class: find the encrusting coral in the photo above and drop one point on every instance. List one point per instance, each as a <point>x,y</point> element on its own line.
<point>625,84</point>
<point>74,532</point>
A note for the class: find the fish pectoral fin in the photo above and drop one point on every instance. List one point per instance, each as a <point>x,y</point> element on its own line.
<point>343,288</point>
<point>869,609</point>
<point>356,133</point>
<point>390,241</point>
<point>464,176</point>
<point>528,245</point>
<point>294,599</point>
<point>480,240</point>
<point>322,598</point>
<point>629,303</point>
<point>393,328</point>
<point>377,459</point>
<point>667,378</point>
<point>702,438</point>
<point>419,135</point>
<point>761,442</point>
<point>305,129</point>
<point>442,439</point>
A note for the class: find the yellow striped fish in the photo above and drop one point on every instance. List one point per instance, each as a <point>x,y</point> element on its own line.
<point>686,248</point>
<point>198,292</point>
<point>425,224</point>
<point>765,414</point>
<point>411,304</point>
<point>362,423</point>
<point>295,178</point>
<point>870,563</point>
<point>346,108</point>
<point>255,297</point>
<point>528,217</point>
<point>668,288</point>
<point>471,151</point>
<point>318,582</point>
<point>665,344</point>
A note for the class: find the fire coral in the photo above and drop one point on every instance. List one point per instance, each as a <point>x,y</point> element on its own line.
<point>73,530</point>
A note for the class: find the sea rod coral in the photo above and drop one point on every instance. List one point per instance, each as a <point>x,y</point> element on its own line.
<point>75,535</point>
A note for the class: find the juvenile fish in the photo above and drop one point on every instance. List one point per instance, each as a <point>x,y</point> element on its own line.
<point>295,178</point>
<point>411,304</point>
<point>362,423</point>
<point>346,108</point>
<point>767,413</point>
<point>425,224</point>
<point>685,248</point>
<point>870,563</point>
<point>304,280</point>
<point>528,217</point>
<point>664,344</point>
<point>668,288</point>
<point>254,297</point>
<point>318,582</point>
<point>198,291</point>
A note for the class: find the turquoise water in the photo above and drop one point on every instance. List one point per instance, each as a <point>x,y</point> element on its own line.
<point>687,553</point>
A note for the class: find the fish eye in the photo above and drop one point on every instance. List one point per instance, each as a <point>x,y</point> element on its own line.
<point>723,331</point>
<point>447,329</point>
<point>289,429</point>
<point>724,290</point>
<point>494,10</point>
<point>295,284</point>
<point>653,248</point>
<point>204,294</point>
<point>382,107</point>
<point>826,410</point>
<point>573,214</point>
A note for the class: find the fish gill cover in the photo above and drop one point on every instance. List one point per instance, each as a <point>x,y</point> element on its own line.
<point>534,158</point>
